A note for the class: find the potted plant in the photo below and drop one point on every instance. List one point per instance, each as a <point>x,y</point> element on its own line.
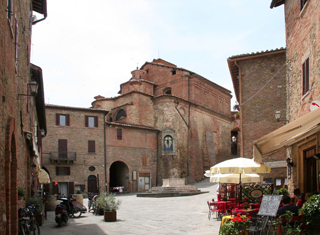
<point>38,203</point>
<point>109,204</point>
<point>236,225</point>
<point>21,193</point>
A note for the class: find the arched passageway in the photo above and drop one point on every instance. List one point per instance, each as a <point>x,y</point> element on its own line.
<point>119,176</point>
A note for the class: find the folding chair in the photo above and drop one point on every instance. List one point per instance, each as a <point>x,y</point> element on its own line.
<point>211,207</point>
<point>260,225</point>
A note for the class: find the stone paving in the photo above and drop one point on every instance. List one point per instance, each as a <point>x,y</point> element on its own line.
<point>142,215</point>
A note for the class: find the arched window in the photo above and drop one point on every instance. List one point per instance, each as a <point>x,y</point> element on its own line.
<point>168,143</point>
<point>121,114</point>
<point>167,91</point>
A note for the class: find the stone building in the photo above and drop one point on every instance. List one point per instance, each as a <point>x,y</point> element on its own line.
<point>300,137</point>
<point>167,122</point>
<point>23,122</point>
<point>260,87</point>
<point>74,149</point>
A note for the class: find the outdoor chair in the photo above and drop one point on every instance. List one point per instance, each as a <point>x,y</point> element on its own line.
<point>211,207</point>
<point>260,225</point>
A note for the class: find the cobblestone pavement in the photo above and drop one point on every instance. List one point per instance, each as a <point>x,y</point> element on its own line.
<point>143,215</point>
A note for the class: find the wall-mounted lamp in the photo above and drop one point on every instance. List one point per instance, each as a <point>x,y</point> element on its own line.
<point>233,139</point>
<point>278,115</point>
<point>290,162</point>
<point>316,156</point>
<point>33,86</point>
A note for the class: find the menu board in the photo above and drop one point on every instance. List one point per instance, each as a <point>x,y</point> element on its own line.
<point>270,205</point>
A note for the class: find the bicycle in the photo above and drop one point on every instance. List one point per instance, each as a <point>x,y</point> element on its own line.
<point>23,228</point>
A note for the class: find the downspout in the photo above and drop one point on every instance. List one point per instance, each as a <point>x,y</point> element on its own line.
<point>44,9</point>
<point>241,109</point>
<point>188,139</point>
<point>105,152</point>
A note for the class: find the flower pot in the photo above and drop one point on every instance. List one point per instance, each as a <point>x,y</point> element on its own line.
<point>110,216</point>
<point>39,218</point>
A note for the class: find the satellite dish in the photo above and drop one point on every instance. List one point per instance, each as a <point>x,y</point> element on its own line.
<point>314,105</point>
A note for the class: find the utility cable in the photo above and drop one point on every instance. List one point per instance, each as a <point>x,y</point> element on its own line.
<point>264,85</point>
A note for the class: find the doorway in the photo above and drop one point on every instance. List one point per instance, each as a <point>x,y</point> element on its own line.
<point>119,176</point>
<point>310,170</point>
<point>64,189</point>
<point>92,184</point>
<point>144,181</point>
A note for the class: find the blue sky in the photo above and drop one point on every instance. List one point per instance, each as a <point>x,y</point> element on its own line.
<point>87,50</point>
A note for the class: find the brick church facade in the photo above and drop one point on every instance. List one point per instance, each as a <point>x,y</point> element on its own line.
<point>166,122</point>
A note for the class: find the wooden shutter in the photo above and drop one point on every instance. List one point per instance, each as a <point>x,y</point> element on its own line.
<point>71,188</point>
<point>86,121</point>
<point>57,170</point>
<point>91,146</point>
<point>96,121</point>
<point>63,148</point>
<point>57,119</point>
<point>119,134</point>
<point>68,170</point>
<point>67,119</point>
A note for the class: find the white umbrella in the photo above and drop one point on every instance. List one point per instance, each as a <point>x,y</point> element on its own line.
<point>239,165</point>
<point>235,178</point>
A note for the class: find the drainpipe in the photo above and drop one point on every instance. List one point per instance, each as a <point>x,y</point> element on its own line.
<point>241,110</point>
<point>105,152</point>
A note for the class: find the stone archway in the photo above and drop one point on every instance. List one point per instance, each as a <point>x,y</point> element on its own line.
<point>119,176</point>
<point>11,184</point>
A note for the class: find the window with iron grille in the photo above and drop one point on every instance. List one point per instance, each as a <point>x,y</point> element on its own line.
<point>305,77</point>
<point>91,146</point>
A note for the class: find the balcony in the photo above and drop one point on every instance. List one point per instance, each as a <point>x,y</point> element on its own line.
<point>65,157</point>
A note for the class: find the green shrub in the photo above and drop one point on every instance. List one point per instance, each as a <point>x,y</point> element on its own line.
<point>311,211</point>
<point>21,192</point>
<point>282,191</point>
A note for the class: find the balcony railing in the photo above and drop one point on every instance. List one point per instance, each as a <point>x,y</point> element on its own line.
<point>62,156</point>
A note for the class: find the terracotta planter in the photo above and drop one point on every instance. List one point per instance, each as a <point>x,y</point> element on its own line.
<point>110,216</point>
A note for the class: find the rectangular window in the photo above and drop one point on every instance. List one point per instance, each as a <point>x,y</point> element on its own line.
<point>62,170</point>
<point>302,3</point>
<point>119,134</point>
<point>91,121</point>
<point>305,77</point>
<point>91,146</point>
<point>62,119</point>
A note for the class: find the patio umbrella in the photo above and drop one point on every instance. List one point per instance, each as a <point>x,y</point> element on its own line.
<point>239,165</point>
<point>235,178</point>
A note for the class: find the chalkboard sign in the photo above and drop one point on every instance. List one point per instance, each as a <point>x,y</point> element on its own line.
<point>270,205</point>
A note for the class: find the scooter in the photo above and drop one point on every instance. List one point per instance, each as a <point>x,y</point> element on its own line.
<point>68,208</point>
<point>62,214</point>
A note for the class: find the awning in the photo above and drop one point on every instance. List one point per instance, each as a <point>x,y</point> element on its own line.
<point>287,135</point>
<point>44,177</point>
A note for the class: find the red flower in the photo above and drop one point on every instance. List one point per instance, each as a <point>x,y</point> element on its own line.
<point>234,220</point>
